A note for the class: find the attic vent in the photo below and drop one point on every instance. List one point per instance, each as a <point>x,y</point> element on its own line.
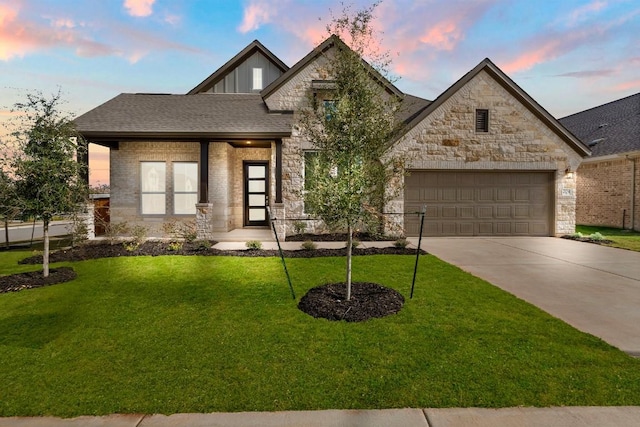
<point>482,120</point>
<point>595,141</point>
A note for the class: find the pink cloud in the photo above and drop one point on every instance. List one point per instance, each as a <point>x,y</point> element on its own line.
<point>139,7</point>
<point>583,12</point>
<point>444,35</point>
<point>256,14</point>
<point>625,86</point>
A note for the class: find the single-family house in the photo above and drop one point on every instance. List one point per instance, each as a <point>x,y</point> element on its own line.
<point>608,186</point>
<point>484,157</point>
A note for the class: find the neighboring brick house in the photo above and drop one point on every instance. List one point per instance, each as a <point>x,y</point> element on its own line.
<point>608,183</point>
<point>483,157</point>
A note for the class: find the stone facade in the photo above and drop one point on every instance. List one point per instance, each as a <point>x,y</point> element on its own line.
<point>605,193</point>
<point>516,140</point>
<point>446,139</point>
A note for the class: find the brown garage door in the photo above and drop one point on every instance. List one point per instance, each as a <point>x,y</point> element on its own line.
<point>479,203</point>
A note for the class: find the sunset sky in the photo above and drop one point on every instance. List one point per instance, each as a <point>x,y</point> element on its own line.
<point>568,55</point>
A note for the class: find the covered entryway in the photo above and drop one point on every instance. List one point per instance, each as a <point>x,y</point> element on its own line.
<point>480,203</point>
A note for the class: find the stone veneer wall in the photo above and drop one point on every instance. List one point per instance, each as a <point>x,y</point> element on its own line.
<point>516,140</point>
<point>605,192</point>
<point>125,180</point>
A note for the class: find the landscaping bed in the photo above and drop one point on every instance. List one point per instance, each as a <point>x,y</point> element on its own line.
<point>157,248</point>
<point>35,279</point>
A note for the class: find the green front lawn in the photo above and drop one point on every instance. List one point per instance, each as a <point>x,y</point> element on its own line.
<point>201,334</point>
<point>624,239</point>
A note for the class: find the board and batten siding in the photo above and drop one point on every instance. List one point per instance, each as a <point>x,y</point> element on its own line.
<point>240,79</point>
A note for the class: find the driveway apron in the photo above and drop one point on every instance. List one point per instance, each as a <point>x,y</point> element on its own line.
<point>594,288</point>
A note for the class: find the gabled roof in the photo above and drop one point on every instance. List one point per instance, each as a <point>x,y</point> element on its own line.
<point>183,116</point>
<point>516,91</point>
<point>253,47</point>
<point>610,128</point>
<point>320,50</point>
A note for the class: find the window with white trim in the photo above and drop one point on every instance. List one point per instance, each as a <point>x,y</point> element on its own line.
<point>153,188</point>
<point>257,79</point>
<point>185,188</point>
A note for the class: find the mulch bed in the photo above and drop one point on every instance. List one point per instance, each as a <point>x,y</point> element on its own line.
<point>155,248</point>
<point>336,237</point>
<point>34,279</point>
<point>588,240</point>
<point>368,300</point>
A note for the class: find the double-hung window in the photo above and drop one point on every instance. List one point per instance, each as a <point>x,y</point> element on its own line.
<point>185,188</point>
<point>153,186</point>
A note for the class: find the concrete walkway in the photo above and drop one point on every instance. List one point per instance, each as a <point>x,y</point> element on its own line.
<point>594,288</point>
<point>522,417</point>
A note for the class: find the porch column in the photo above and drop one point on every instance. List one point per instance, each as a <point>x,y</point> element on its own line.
<point>203,194</point>
<point>204,209</point>
<point>278,171</point>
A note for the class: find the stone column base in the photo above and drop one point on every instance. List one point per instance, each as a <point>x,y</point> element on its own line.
<point>277,212</point>
<point>204,221</point>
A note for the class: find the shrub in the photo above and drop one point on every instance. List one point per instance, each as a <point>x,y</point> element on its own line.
<point>253,244</point>
<point>401,243</point>
<point>186,231</point>
<point>203,245</point>
<point>113,230</point>
<point>597,237</point>
<point>299,227</point>
<point>308,245</point>
<point>577,235</point>
<point>175,246</point>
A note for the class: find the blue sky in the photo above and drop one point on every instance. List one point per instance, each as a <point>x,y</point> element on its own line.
<point>569,55</point>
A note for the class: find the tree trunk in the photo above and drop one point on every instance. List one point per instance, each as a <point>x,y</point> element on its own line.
<point>45,251</point>
<point>349,250</point>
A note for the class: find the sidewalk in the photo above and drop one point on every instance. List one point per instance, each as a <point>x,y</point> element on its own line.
<point>625,416</point>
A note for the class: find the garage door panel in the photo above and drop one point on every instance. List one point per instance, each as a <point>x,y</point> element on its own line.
<point>448,212</point>
<point>461,203</point>
<point>464,229</point>
<point>484,212</point>
<point>466,212</point>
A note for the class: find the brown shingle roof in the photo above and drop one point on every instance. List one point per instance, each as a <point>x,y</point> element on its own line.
<point>610,128</point>
<point>183,116</point>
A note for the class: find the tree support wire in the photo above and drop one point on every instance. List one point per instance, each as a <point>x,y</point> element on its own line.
<point>415,268</point>
<point>284,264</point>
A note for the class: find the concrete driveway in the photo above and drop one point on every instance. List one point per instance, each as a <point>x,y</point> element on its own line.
<point>594,288</point>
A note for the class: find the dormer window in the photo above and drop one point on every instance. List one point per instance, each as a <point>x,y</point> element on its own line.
<point>257,79</point>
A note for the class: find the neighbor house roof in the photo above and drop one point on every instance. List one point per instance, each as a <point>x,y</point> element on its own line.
<point>611,128</point>
<point>183,116</point>
<point>516,91</point>
<point>253,47</point>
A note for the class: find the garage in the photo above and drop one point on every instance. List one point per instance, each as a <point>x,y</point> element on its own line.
<point>480,203</point>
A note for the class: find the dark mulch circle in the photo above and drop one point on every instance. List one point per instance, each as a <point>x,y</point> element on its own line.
<point>368,301</point>
<point>34,279</point>
<point>154,248</point>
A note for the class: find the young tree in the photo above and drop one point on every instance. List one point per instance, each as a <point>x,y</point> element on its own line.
<point>350,126</point>
<point>9,202</point>
<point>49,180</point>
